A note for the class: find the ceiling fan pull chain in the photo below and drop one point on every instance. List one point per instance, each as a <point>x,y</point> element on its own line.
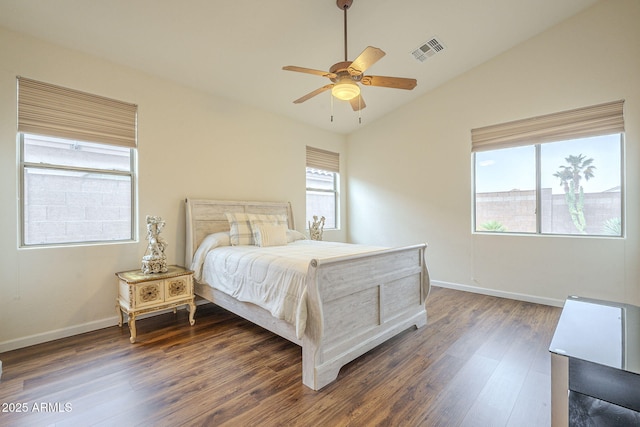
<point>331,97</point>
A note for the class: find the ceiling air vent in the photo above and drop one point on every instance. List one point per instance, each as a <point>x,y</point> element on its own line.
<point>427,49</point>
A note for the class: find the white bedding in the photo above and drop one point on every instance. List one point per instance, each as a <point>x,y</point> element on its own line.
<point>270,277</point>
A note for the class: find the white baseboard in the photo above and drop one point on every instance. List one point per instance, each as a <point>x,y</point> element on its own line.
<point>74,330</point>
<point>502,294</point>
<point>57,334</point>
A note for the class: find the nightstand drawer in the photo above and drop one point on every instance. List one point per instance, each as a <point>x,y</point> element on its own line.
<point>149,294</point>
<point>177,288</point>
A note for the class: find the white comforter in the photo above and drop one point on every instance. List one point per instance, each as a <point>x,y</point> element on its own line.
<point>270,277</point>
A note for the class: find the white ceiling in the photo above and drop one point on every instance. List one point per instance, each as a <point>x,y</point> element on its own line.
<point>236,49</point>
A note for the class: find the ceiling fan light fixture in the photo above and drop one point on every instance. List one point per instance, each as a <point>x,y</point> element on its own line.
<point>345,90</point>
<point>346,76</point>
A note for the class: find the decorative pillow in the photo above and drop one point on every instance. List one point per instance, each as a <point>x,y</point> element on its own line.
<point>260,219</point>
<point>270,235</point>
<point>241,226</point>
<point>257,220</point>
<point>240,232</point>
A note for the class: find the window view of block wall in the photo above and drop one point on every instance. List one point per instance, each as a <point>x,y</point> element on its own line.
<point>75,191</point>
<point>322,196</point>
<point>515,210</point>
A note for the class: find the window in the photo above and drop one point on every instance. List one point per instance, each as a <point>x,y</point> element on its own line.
<point>505,196</point>
<point>559,174</point>
<point>322,177</point>
<point>75,191</point>
<point>77,166</point>
<point>322,196</point>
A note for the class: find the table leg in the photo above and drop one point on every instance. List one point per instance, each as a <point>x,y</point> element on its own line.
<point>192,312</point>
<point>119,311</point>
<point>132,327</point>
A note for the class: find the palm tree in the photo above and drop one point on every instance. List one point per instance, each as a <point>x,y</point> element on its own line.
<point>493,225</point>
<point>612,227</point>
<point>570,176</point>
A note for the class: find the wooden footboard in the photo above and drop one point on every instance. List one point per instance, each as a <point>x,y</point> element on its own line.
<point>358,302</point>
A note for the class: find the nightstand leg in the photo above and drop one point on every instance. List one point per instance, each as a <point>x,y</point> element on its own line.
<point>132,327</point>
<point>192,312</point>
<point>119,311</point>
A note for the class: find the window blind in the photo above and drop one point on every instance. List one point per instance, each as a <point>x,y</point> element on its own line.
<point>51,110</point>
<point>323,159</point>
<point>584,122</point>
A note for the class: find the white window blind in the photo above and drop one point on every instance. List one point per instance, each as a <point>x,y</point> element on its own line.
<point>590,121</point>
<point>323,159</point>
<point>51,110</point>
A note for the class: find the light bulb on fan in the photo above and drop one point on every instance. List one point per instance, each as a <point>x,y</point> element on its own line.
<point>346,89</point>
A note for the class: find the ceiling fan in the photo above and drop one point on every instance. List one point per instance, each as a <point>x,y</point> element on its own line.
<point>347,74</point>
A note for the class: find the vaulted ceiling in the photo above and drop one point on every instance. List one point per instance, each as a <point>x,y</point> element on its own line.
<point>236,49</point>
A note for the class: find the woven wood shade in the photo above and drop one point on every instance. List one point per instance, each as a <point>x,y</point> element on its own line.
<point>323,159</point>
<point>584,122</point>
<point>46,109</point>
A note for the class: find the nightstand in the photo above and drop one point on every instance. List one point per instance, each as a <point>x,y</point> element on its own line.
<point>140,293</point>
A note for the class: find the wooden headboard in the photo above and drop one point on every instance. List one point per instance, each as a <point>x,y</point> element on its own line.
<point>204,217</point>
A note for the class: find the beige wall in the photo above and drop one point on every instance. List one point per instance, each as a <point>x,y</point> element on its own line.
<point>190,145</point>
<point>410,173</point>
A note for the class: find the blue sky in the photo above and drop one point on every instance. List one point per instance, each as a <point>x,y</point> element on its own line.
<point>514,168</point>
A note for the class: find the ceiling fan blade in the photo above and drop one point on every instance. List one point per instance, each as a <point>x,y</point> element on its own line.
<point>312,94</point>
<point>310,71</point>
<point>366,59</point>
<point>392,82</point>
<point>357,103</point>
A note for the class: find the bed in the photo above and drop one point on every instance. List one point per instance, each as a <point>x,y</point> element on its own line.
<point>353,302</point>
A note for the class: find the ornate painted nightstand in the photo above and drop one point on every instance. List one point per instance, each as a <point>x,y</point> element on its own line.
<point>140,293</point>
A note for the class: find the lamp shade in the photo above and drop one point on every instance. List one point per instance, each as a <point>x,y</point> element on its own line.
<point>345,89</point>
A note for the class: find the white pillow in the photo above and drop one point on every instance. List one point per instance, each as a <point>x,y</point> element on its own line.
<point>212,241</point>
<point>293,235</point>
<point>270,235</point>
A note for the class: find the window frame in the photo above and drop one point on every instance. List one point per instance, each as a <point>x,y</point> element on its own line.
<point>335,191</point>
<point>538,191</point>
<point>23,165</point>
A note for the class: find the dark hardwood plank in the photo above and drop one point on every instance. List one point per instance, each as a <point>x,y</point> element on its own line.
<point>480,360</point>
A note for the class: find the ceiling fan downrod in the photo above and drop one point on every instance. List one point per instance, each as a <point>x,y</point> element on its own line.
<point>344,5</point>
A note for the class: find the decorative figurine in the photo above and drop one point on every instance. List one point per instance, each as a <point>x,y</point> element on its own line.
<point>316,228</point>
<point>154,260</point>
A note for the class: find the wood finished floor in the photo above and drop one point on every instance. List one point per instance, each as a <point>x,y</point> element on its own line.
<point>480,361</point>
